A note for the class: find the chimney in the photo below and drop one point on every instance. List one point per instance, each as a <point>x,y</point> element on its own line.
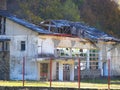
<point>3,5</point>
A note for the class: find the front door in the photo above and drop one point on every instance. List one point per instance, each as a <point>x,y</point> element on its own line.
<point>66,72</point>
<point>44,71</point>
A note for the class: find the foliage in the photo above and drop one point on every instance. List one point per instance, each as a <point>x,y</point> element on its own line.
<point>103,14</point>
<point>70,11</point>
<point>38,10</point>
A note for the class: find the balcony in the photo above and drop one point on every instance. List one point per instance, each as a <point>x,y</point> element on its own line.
<point>69,53</point>
<point>64,53</point>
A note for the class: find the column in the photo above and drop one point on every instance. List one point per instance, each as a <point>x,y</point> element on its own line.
<point>70,52</point>
<point>53,70</point>
<point>60,71</point>
<point>88,59</point>
<point>72,72</point>
<point>100,62</point>
<point>38,71</point>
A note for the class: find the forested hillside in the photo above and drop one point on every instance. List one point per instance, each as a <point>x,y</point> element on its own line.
<point>103,14</point>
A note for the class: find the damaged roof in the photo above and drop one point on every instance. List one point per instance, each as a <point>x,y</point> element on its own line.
<point>82,30</point>
<point>23,22</point>
<point>92,33</point>
<point>76,28</point>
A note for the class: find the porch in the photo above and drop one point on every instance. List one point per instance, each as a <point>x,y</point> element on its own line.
<point>65,70</point>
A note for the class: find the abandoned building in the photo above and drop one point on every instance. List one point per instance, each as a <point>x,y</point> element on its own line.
<point>63,42</point>
<point>53,49</point>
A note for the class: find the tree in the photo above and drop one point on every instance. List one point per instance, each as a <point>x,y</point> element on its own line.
<point>70,11</point>
<point>37,10</point>
<point>103,14</point>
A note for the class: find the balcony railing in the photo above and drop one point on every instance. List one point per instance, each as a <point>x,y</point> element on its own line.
<point>63,53</point>
<point>68,53</point>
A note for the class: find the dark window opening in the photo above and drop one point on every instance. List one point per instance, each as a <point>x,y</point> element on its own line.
<point>44,67</point>
<point>2,25</point>
<point>23,46</point>
<point>4,46</point>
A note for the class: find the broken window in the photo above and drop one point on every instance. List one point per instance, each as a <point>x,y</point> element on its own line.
<point>2,25</point>
<point>23,46</point>
<point>94,58</point>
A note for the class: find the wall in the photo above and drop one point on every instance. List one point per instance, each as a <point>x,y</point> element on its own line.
<point>18,33</point>
<point>110,51</point>
<point>34,46</point>
<point>4,65</point>
<point>115,59</point>
<point>48,47</point>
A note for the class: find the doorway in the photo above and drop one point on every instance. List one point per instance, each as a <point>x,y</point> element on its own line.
<point>43,71</point>
<point>105,71</point>
<point>66,72</point>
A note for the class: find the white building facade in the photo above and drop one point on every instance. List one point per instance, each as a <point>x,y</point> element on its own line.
<point>37,46</point>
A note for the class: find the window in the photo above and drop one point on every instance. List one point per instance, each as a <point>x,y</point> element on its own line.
<point>63,52</point>
<point>23,46</point>
<point>1,46</point>
<point>2,25</point>
<point>4,46</point>
<point>94,58</point>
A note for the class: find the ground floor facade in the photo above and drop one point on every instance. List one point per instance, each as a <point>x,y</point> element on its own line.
<point>92,65</point>
<point>59,70</point>
<point>67,70</point>
<point>56,69</point>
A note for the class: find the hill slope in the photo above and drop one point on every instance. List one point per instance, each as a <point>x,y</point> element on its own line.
<point>103,14</point>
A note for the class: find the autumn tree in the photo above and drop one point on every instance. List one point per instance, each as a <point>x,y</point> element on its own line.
<point>104,14</point>
<point>37,10</point>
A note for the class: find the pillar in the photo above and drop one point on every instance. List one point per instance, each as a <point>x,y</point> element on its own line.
<point>53,70</point>
<point>60,71</point>
<point>72,72</point>
<point>38,73</point>
<point>50,72</point>
<point>88,59</point>
<point>100,62</point>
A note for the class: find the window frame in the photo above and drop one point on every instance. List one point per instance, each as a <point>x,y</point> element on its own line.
<point>4,46</point>
<point>23,45</point>
<point>94,58</point>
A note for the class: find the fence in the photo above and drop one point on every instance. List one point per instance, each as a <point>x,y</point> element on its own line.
<point>28,72</point>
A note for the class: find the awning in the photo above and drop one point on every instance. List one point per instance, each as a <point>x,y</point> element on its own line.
<point>1,40</point>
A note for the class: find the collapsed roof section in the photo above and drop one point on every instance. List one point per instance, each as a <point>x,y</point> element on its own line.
<point>76,29</point>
